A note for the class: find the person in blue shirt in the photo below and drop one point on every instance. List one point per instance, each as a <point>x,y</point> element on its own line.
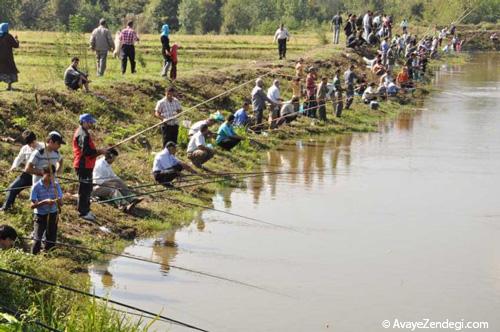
<point>226,137</point>
<point>241,115</point>
<point>45,204</point>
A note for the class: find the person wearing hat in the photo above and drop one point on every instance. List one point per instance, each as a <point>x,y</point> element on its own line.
<point>166,109</point>
<point>108,185</point>
<point>75,79</point>
<point>101,42</point>
<point>8,236</point>
<point>48,155</point>
<point>213,119</point>
<point>84,158</point>
<point>46,196</point>
<point>166,167</point>
<point>24,180</point>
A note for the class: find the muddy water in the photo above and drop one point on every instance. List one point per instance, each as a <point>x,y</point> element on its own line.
<point>404,223</point>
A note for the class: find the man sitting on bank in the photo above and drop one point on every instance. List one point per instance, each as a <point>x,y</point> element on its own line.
<point>226,137</point>
<point>198,150</point>
<point>166,167</point>
<point>289,111</point>
<point>107,185</point>
<point>74,79</point>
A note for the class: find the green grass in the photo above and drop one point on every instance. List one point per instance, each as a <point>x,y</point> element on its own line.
<point>209,65</point>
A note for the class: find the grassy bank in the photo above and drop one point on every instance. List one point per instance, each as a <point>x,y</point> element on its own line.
<point>124,105</point>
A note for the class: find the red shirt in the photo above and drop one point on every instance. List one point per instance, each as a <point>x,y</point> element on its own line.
<point>173,53</point>
<point>84,151</point>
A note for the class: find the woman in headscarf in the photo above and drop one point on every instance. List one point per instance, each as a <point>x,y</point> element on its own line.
<point>8,69</point>
<point>165,49</point>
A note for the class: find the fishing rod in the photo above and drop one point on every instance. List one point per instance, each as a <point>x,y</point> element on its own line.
<point>77,291</point>
<point>141,259</point>
<point>34,321</point>
<point>188,110</point>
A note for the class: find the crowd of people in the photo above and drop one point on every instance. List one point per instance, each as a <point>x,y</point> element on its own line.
<point>40,164</point>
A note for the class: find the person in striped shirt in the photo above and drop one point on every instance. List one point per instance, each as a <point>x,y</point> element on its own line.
<point>128,38</point>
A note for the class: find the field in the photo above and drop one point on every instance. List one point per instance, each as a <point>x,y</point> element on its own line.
<point>209,65</point>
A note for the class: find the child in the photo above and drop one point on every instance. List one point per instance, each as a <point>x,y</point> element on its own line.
<point>173,55</point>
<point>45,204</point>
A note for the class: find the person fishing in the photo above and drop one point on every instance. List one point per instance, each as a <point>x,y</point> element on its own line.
<point>338,103</point>
<point>84,158</point>
<point>45,203</point>
<point>241,118</point>
<point>198,151</point>
<point>259,99</point>
<point>108,185</point>
<point>274,94</point>
<point>167,108</point>
<point>74,79</point>
<point>212,120</point>
<point>47,155</point>
<point>101,42</point>
<point>128,38</point>
<point>8,69</point>
<point>289,111</point>
<point>321,92</point>
<point>8,236</point>
<point>24,180</point>
<point>349,78</point>
<point>166,166</point>
<point>311,92</point>
<point>226,137</point>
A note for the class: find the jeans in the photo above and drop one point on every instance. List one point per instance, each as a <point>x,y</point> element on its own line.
<point>336,34</point>
<point>167,62</point>
<point>84,189</point>
<point>128,52</point>
<point>169,133</point>
<point>282,48</point>
<point>44,224</point>
<point>101,57</point>
<point>23,180</point>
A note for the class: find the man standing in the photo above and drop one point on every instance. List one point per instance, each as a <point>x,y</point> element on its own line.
<point>367,24</point>
<point>349,78</point>
<point>338,104</point>
<point>45,204</point>
<point>282,36</point>
<point>128,38</point>
<point>311,92</point>
<point>259,99</point>
<point>167,108</point>
<point>8,236</point>
<point>198,151</point>
<point>166,167</point>
<point>85,154</point>
<point>321,92</point>
<point>336,24</point>
<point>109,186</point>
<point>101,42</point>
<point>273,93</point>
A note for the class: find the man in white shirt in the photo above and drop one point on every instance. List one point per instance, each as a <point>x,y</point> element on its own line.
<point>367,24</point>
<point>198,151</point>
<point>107,185</point>
<point>24,180</point>
<point>281,36</point>
<point>166,167</point>
<point>217,117</point>
<point>167,108</point>
<point>370,93</point>
<point>273,93</point>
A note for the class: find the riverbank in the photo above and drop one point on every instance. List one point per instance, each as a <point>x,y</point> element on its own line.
<point>126,108</point>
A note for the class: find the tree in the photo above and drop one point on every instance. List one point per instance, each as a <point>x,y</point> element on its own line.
<point>159,12</point>
<point>211,16</point>
<point>29,12</point>
<point>8,10</point>
<point>189,15</point>
<point>239,16</point>
<point>61,10</point>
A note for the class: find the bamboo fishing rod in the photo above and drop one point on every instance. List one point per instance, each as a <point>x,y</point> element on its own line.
<point>145,260</point>
<point>80,292</point>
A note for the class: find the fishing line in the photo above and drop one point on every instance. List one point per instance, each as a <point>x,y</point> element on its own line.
<point>70,289</point>
<point>34,321</point>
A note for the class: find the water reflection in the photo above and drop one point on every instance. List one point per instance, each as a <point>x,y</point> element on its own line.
<point>164,250</point>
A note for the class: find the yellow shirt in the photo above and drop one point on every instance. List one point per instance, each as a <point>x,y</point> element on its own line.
<point>296,89</point>
<point>299,70</point>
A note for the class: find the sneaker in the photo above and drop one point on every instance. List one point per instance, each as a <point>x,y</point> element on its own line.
<point>89,216</point>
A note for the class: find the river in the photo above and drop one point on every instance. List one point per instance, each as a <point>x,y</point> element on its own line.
<point>399,224</point>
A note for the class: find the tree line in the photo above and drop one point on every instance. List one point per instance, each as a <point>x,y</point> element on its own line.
<point>230,16</point>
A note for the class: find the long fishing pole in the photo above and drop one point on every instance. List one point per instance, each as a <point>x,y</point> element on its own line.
<point>34,321</point>
<point>77,291</point>
<point>141,259</point>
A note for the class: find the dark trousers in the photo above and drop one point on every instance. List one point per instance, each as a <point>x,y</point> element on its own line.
<point>311,106</point>
<point>44,224</point>
<point>259,116</point>
<point>167,176</point>
<point>229,143</point>
<point>169,133</point>
<point>84,189</point>
<point>128,52</point>
<point>173,71</point>
<point>23,180</point>
<point>322,111</point>
<point>282,48</point>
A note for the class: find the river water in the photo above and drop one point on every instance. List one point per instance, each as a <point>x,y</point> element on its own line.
<point>400,224</point>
